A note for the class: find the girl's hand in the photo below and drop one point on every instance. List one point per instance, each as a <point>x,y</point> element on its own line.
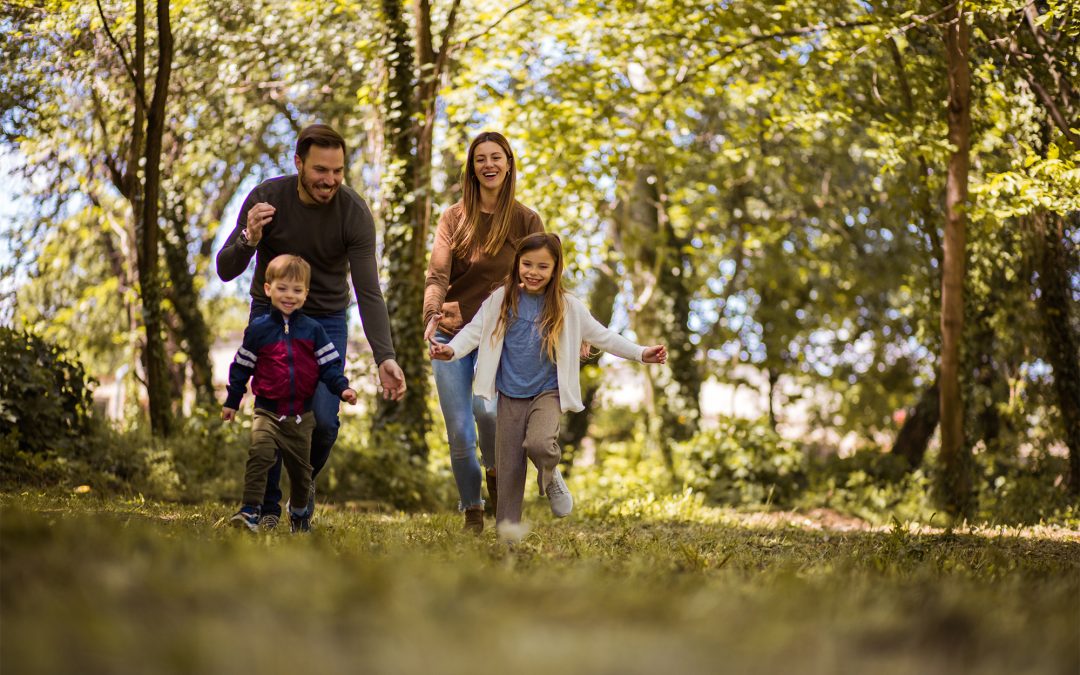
<point>586,351</point>
<point>432,326</point>
<point>349,396</point>
<point>655,354</point>
<point>441,352</point>
<point>228,414</point>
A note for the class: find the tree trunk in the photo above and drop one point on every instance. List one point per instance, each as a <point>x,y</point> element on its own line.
<point>1062,344</point>
<point>157,372</point>
<point>663,288</point>
<point>956,469</point>
<point>192,330</point>
<point>918,428</point>
<point>404,424</point>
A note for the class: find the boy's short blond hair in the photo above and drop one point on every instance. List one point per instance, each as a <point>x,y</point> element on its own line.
<point>289,268</point>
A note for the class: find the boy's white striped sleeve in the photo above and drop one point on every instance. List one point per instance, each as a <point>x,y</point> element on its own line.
<point>246,358</point>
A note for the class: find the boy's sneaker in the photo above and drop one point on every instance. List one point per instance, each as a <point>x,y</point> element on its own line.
<point>299,523</point>
<point>246,517</point>
<point>310,510</point>
<point>268,522</point>
<point>562,503</point>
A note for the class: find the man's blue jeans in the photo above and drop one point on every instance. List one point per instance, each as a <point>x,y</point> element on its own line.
<point>324,404</point>
<point>468,418</point>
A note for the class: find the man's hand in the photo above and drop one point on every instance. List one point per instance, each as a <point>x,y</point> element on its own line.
<point>655,354</point>
<point>228,414</point>
<point>432,326</point>
<point>257,218</point>
<point>392,380</point>
<point>349,396</point>
<point>441,352</point>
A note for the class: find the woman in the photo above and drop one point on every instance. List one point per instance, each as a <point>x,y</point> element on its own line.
<point>474,251</point>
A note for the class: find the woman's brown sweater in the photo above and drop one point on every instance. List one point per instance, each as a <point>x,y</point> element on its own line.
<point>457,286</point>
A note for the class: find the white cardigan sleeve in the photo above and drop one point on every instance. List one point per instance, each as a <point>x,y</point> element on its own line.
<point>599,335</point>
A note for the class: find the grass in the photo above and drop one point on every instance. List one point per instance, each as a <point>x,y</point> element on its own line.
<point>105,585</point>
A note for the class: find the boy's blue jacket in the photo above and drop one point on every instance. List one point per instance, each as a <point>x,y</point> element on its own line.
<point>285,360</point>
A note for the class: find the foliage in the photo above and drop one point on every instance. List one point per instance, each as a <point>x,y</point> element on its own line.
<point>873,486</point>
<point>137,585</point>
<point>1025,491</point>
<point>743,461</point>
<point>46,403</point>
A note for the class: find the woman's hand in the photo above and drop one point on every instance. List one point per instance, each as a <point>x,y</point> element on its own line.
<point>655,354</point>
<point>349,396</point>
<point>441,352</point>
<point>228,414</point>
<point>432,326</point>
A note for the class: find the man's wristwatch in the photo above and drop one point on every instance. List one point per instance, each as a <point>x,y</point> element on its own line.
<point>243,239</point>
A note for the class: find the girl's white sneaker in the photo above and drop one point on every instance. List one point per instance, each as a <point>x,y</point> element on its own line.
<point>562,503</point>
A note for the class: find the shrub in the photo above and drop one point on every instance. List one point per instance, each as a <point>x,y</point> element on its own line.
<point>1025,490</point>
<point>743,462</point>
<point>871,485</point>
<point>45,399</point>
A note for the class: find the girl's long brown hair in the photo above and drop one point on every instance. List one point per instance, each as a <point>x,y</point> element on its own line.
<point>470,199</point>
<point>553,314</point>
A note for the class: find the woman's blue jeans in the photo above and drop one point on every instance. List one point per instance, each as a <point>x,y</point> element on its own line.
<point>469,419</point>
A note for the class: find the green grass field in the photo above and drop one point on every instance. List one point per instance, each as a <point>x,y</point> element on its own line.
<point>94,585</point>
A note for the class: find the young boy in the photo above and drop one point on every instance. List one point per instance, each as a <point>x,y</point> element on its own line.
<point>286,355</point>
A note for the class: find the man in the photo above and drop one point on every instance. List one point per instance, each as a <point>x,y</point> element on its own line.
<point>312,214</point>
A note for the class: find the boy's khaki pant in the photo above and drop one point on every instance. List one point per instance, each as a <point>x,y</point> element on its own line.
<point>524,427</point>
<point>270,435</point>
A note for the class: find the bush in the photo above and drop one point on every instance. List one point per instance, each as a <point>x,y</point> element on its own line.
<point>380,473</point>
<point>743,462</point>
<point>1025,490</point>
<point>45,399</point>
<point>871,485</point>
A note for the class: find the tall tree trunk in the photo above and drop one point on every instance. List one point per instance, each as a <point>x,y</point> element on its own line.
<point>157,373</point>
<point>414,70</point>
<point>914,436</point>
<point>662,286</point>
<point>957,480</point>
<point>1062,344</point>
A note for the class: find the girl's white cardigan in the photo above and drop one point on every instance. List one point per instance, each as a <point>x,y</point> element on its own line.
<point>578,326</point>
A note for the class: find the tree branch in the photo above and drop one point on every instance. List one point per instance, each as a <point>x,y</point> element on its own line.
<point>494,25</point>
<point>120,50</point>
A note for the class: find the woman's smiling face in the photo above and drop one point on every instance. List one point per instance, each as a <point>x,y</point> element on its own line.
<point>491,165</point>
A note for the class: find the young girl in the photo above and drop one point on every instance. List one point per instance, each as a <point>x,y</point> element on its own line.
<point>529,334</point>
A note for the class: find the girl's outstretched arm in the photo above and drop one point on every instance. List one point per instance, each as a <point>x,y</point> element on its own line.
<point>603,338</point>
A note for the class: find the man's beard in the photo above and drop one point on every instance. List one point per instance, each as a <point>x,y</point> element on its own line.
<point>311,190</point>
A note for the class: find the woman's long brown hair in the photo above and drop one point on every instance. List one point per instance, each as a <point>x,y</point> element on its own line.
<point>470,199</point>
<point>553,313</point>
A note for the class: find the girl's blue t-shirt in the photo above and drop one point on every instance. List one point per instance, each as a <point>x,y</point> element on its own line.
<point>524,367</point>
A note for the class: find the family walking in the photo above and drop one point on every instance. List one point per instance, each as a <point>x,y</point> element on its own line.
<point>504,336</point>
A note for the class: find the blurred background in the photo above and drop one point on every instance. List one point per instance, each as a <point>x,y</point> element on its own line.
<point>778,192</point>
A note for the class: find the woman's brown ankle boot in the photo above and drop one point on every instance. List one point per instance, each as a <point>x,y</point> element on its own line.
<point>474,520</point>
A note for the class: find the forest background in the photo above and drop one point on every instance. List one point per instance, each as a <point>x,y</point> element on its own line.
<point>865,213</point>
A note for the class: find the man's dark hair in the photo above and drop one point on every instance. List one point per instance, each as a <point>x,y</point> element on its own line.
<point>320,135</point>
